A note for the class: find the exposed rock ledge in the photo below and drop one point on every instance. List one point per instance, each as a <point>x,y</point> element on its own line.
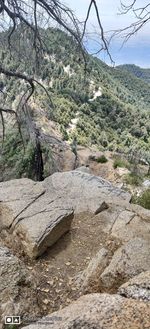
<point>40,213</point>
<point>36,215</point>
<point>97,311</point>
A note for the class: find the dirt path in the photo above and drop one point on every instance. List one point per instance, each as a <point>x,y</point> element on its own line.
<point>57,270</point>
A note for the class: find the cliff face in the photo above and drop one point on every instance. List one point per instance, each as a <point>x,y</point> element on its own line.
<point>70,235</point>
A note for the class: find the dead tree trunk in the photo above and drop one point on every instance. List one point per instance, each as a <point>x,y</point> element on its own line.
<point>38,159</point>
<point>38,166</point>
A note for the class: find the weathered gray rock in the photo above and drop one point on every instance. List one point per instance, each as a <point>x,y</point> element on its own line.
<point>40,213</point>
<point>137,288</point>
<point>68,160</point>
<point>39,225</point>
<point>129,260</point>
<point>84,192</point>
<point>17,288</point>
<point>97,311</point>
<point>122,171</point>
<point>89,281</point>
<point>125,222</point>
<point>41,230</point>
<point>143,213</point>
<point>83,169</point>
<point>128,225</point>
<point>146,184</point>
<point>15,196</point>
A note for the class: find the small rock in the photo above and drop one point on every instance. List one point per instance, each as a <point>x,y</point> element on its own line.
<point>129,260</point>
<point>68,263</point>
<point>137,288</point>
<point>89,281</point>
<point>46,301</point>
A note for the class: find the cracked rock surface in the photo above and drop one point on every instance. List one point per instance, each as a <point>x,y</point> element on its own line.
<point>137,288</point>
<point>17,287</point>
<point>97,311</point>
<point>40,213</point>
<point>128,261</point>
<point>105,251</point>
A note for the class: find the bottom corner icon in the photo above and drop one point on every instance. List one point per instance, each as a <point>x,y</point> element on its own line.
<point>8,319</point>
<point>12,319</point>
<point>16,319</point>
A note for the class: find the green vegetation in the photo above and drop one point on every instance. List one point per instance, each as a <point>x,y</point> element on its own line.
<point>120,162</point>
<point>14,159</point>
<point>118,120</point>
<point>139,72</point>
<point>11,326</point>
<point>102,159</point>
<point>142,200</point>
<point>133,179</point>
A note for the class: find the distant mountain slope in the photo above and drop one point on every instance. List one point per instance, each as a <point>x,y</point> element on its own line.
<point>110,106</point>
<point>139,72</point>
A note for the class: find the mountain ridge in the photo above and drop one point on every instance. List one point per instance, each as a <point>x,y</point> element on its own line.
<point>137,71</point>
<point>118,119</point>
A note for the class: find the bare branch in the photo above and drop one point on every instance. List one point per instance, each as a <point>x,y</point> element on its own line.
<point>142,15</point>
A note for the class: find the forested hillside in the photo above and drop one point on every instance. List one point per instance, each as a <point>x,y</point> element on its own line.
<point>97,104</point>
<point>137,71</point>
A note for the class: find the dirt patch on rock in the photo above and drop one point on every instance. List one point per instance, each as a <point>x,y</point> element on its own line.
<point>57,270</point>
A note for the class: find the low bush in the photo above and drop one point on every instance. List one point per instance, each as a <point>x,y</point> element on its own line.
<point>132,179</point>
<point>102,159</point>
<point>119,162</point>
<point>142,200</point>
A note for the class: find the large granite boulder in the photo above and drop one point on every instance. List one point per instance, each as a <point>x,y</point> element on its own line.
<point>40,213</point>
<point>125,222</point>
<point>33,215</point>
<point>18,294</point>
<point>97,311</point>
<point>84,192</point>
<point>128,261</point>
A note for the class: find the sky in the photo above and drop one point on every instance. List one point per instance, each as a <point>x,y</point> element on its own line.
<point>136,50</point>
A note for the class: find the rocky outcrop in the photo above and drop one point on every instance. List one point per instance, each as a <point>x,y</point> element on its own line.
<point>137,288</point>
<point>127,262</point>
<point>107,271</point>
<point>96,311</point>
<point>84,192</point>
<point>40,213</point>
<point>18,295</point>
<point>126,222</point>
<point>89,281</point>
<point>35,215</point>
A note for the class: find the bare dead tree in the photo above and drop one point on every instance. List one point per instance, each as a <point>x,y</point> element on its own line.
<point>34,15</point>
<point>37,14</point>
<point>141,16</point>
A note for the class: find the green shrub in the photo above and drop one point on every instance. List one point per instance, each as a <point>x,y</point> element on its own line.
<point>102,159</point>
<point>119,162</point>
<point>14,160</point>
<point>132,179</point>
<point>142,200</point>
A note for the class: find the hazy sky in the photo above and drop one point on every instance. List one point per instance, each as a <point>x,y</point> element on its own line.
<point>137,50</point>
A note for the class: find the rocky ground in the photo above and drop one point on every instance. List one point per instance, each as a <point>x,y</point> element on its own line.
<point>74,234</point>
